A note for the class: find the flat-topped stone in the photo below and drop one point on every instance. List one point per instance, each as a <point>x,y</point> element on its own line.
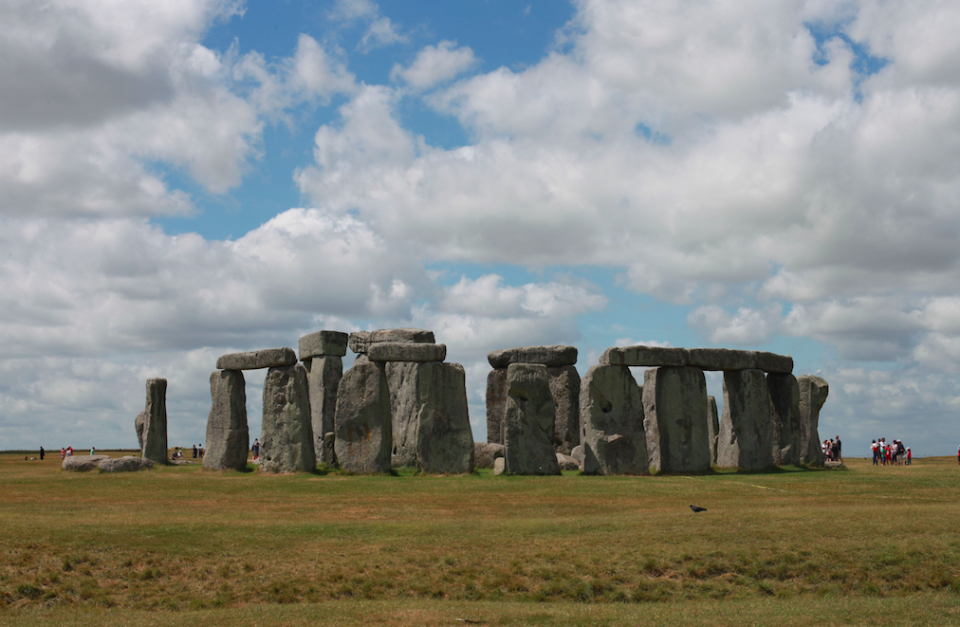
<point>644,356</point>
<point>323,343</point>
<point>401,351</point>
<point>549,356</point>
<point>773,363</point>
<point>257,360</point>
<point>721,359</point>
<point>717,359</point>
<point>360,341</point>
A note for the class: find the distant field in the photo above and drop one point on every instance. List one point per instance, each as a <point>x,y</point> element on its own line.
<point>176,544</point>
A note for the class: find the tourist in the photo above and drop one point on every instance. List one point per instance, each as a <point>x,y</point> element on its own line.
<point>256,449</point>
<point>202,451</point>
<point>63,452</point>
<point>839,453</point>
<point>42,453</point>
<point>69,451</point>
<point>888,455</point>
<point>909,456</point>
<point>874,448</point>
<point>194,451</point>
<point>93,450</point>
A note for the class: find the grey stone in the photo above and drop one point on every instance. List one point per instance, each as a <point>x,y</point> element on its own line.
<point>323,378</point>
<point>444,436</point>
<point>644,356</point>
<point>82,463</point>
<point>140,424</point>
<point>565,390</point>
<point>746,426</point>
<point>228,436</point>
<point>400,351</point>
<point>364,434</point>
<point>713,427</point>
<point>611,423</point>
<point>362,340</point>
<point>155,424</point>
<point>785,411</point>
<point>496,404</point>
<point>721,359</point>
<point>678,433</point>
<point>286,441</point>
<point>567,462</point>
<point>330,449</point>
<point>813,394</point>
<point>332,343</point>
<point>499,466</point>
<point>403,383</point>
<point>485,453</point>
<point>773,363</point>
<point>577,453</point>
<point>257,360</point>
<point>529,420</point>
<point>127,463</point>
<point>550,356</point>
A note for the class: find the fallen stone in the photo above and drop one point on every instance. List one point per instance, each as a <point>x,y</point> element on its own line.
<point>550,356</point>
<point>323,378</point>
<point>611,423</point>
<point>360,341</point>
<point>529,421</point>
<point>332,343</point>
<point>785,410</point>
<point>773,363</point>
<point>286,440</point>
<point>364,435</point>
<point>813,394</point>
<point>82,463</point>
<point>746,427</point>
<point>833,464</point>
<point>140,425</point>
<point>155,423</point>
<point>127,463</point>
<point>721,359</point>
<point>713,424</point>
<point>399,351</point>
<point>577,453</point>
<point>228,437</point>
<point>499,466</point>
<point>496,404</point>
<point>678,434</point>
<point>565,390</point>
<point>485,453</point>
<point>444,436</point>
<point>567,462</point>
<point>644,356</point>
<point>257,360</point>
<point>183,462</point>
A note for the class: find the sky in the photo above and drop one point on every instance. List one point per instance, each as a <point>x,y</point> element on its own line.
<point>184,179</point>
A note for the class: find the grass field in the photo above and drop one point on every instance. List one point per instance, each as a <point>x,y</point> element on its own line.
<point>877,546</point>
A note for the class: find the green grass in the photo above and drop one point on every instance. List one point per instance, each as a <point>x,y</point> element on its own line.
<point>243,548</point>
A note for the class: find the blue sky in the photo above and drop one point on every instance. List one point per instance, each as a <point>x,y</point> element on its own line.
<point>183,180</point>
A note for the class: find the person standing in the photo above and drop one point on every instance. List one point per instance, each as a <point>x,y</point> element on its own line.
<point>42,453</point>
<point>874,447</point>
<point>69,451</point>
<point>256,449</point>
<point>194,451</point>
<point>93,450</point>
<point>63,452</point>
<point>909,456</point>
<point>839,453</point>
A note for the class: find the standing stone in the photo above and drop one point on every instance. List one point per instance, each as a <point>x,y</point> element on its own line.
<point>678,433</point>
<point>155,424</point>
<point>529,420</point>
<point>444,437</point>
<point>496,404</point>
<point>813,394</point>
<point>227,435</point>
<point>785,410</point>
<point>403,383</point>
<point>286,442</point>
<point>611,423</point>
<point>565,390</point>
<point>713,424</point>
<point>746,427</point>
<point>364,434</point>
<point>323,379</point>
<point>140,425</point>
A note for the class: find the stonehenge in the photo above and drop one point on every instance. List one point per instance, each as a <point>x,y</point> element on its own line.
<point>813,394</point>
<point>746,425</point>
<point>322,355</point>
<point>528,422</point>
<point>286,440</point>
<point>675,419</point>
<point>363,427</point>
<point>154,430</point>
<point>784,393</point>
<point>611,417</point>
<point>228,437</point>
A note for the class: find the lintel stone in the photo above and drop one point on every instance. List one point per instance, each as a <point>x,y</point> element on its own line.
<point>402,351</point>
<point>549,356</point>
<point>361,341</point>
<point>257,360</point>
<point>323,343</point>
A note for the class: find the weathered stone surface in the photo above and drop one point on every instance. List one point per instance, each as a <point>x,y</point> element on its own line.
<point>567,463</point>
<point>140,424</point>
<point>286,442</point>
<point>721,359</point>
<point>496,404</point>
<point>485,453</point>
<point>127,463</point>
<point>773,363</point>
<point>362,340</point>
<point>155,424</point>
<point>565,389</point>
<point>330,449</point>
<point>228,437</point>
<point>529,422</point>
<point>444,436</point>
<point>678,433</point>
<point>323,378</point>
<point>641,355</point>
<point>785,411</point>
<point>257,360</point>
<point>746,427</point>
<point>550,356</point>
<point>713,427</point>
<point>499,466</point>
<point>82,463</point>
<point>611,423</point>
<point>577,453</point>
<point>403,383</point>
<point>400,351</point>
<point>332,343</point>
<point>364,433</point>
<point>813,394</point>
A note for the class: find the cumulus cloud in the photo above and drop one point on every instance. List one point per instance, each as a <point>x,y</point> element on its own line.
<point>435,64</point>
<point>380,31</point>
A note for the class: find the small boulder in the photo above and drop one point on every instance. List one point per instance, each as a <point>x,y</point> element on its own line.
<point>567,462</point>
<point>499,466</point>
<point>486,453</point>
<point>127,463</point>
<point>82,463</point>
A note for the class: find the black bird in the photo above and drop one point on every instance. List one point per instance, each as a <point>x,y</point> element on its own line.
<point>698,509</point>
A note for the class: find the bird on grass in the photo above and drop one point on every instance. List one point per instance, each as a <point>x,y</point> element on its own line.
<point>698,509</point>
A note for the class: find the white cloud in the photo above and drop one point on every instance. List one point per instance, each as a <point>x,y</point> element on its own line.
<point>435,64</point>
<point>380,31</point>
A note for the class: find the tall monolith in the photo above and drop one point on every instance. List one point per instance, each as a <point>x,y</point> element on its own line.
<point>678,434</point>
<point>362,425</point>
<point>565,389</point>
<point>323,379</point>
<point>713,424</point>
<point>785,410</point>
<point>444,437</point>
<point>611,423</point>
<point>228,437</point>
<point>529,422</point>
<point>155,423</point>
<point>813,394</point>
<point>286,441</point>
<point>746,426</point>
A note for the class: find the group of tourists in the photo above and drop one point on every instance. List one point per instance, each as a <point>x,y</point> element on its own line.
<point>831,450</point>
<point>890,453</point>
